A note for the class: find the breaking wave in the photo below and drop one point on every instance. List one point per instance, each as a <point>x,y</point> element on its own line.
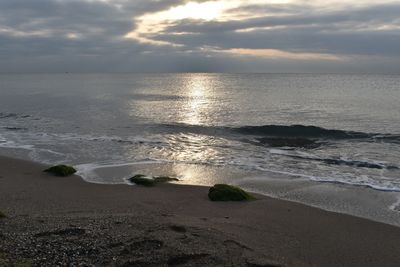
<point>285,131</point>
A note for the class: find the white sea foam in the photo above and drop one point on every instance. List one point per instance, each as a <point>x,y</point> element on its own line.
<point>385,185</point>
<point>396,205</point>
<point>12,144</point>
<point>88,171</point>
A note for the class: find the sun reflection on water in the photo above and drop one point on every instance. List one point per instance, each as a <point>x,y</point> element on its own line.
<point>199,108</point>
<point>199,91</point>
<point>192,101</point>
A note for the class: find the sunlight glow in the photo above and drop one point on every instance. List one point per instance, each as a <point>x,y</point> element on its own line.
<point>193,10</point>
<point>152,25</point>
<point>275,53</point>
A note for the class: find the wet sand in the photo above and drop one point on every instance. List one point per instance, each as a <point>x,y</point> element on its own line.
<point>66,221</point>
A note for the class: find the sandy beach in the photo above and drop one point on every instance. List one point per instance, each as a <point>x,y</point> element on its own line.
<point>53,221</point>
<point>199,133</point>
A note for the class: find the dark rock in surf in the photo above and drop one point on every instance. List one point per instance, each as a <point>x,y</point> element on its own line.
<point>224,192</point>
<point>165,179</point>
<point>144,180</point>
<point>141,179</point>
<point>61,170</point>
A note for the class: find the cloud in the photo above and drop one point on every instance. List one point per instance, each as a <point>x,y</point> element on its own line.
<point>368,30</point>
<point>140,35</point>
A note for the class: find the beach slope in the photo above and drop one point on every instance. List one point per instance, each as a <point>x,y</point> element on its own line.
<point>66,221</point>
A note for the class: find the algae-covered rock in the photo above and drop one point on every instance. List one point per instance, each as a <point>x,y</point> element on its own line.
<point>224,192</point>
<point>61,170</point>
<point>141,179</point>
<point>2,215</point>
<point>165,179</point>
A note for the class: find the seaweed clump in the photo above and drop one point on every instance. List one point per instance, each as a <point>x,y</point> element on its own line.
<point>61,170</point>
<point>144,180</point>
<point>224,192</point>
<point>164,179</point>
<point>141,179</point>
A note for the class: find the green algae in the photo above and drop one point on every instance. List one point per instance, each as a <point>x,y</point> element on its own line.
<point>224,192</point>
<point>144,180</point>
<point>61,170</point>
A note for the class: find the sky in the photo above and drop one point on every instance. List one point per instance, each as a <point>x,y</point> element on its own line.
<point>295,36</point>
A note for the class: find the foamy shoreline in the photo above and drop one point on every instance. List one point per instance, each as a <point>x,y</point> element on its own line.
<point>352,199</point>
<point>360,201</point>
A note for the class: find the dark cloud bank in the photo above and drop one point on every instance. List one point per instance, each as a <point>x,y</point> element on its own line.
<point>35,36</point>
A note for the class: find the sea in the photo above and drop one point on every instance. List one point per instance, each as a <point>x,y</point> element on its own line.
<point>335,129</point>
